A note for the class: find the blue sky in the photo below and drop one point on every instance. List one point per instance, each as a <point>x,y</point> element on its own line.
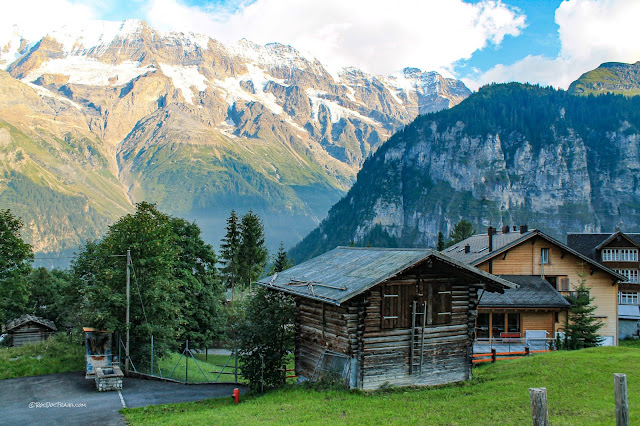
<point>550,42</point>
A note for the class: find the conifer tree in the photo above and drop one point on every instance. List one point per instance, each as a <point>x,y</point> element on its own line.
<point>252,254</point>
<point>440,244</point>
<point>281,261</point>
<point>461,231</point>
<point>229,249</point>
<point>582,326</point>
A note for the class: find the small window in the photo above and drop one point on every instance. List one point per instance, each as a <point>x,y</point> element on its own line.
<point>544,256</point>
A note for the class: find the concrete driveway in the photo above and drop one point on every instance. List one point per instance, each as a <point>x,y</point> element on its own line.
<point>69,398</point>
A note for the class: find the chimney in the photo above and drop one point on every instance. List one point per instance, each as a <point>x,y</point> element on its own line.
<point>490,231</point>
<point>523,229</point>
<point>467,248</point>
<point>505,229</point>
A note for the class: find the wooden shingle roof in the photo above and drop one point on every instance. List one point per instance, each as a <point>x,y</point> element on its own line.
<point>15,323</point>
<point>344,272</point>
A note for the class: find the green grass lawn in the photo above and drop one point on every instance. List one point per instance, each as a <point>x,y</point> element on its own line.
<point>630,343</point>
<point>55,355</point>
<point>579,386</point>
<point>209,365</point>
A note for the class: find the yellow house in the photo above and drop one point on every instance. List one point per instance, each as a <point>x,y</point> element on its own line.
<point>545,269</point>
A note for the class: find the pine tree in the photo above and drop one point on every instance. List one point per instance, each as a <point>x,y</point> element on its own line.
<point>440,244</point>
<point>461,231</point>
<point>252,254</point>
<point>281,261</point>
<point>229,249</point>
<point>582,327</point>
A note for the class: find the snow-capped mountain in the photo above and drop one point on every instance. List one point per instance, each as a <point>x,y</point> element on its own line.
<point>194,125</point>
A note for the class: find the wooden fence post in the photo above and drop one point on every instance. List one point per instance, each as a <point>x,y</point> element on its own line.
<point>493,355</point>
<point>539,411</point>
<point>622,403</point>
<point>526,351</point>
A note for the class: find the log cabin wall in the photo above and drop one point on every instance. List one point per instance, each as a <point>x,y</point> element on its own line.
<point>322,326</point>
<point>386,342</point>
<point>29,333</point>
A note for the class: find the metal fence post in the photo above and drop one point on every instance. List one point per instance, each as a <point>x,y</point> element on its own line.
<point>186,370</point>
<point>235,353</point>
<point>152,354</point>
<point>261,373</point>
<point>622,402</point>
<point>539,411</point>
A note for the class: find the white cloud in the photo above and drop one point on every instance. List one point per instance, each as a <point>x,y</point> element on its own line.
<point>591,32</point>
<point>378,36</point>
<point>35,18</point>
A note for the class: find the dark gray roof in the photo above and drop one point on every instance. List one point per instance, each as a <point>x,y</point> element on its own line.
<point>534,292</point>
<point>29,318</point>
<point>479,248</point>
<point>587,243</point>
<point>345,272</point>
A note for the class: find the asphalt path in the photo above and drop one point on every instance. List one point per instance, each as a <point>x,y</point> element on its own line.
<point>69,398</point>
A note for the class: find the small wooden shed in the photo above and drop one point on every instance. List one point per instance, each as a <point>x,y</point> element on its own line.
<point>29,329</point>
<point>385,316</point>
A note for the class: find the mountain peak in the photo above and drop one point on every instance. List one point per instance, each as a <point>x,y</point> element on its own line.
<point>609,77</point>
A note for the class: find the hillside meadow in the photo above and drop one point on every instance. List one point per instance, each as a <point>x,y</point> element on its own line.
<point>579,386</point>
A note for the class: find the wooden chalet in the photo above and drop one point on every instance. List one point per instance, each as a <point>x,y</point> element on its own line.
<point>543,265</point>
<point>385,316</point>
<point>29,329</point>
<point>617,251</point>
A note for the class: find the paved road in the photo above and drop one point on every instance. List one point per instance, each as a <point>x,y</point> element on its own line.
<point>69,398</point>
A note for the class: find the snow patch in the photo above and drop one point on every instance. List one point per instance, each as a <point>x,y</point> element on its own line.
<point>184,78</point>
<point>84,70</point>
<point>336,111</point>
<point>232,91</point>
<point>48,93</point>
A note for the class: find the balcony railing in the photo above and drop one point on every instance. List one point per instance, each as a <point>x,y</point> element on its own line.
<point>573,295</point>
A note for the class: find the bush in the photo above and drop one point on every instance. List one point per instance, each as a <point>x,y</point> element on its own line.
<point>265,337</point>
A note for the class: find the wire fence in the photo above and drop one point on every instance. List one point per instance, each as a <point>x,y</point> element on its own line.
<point>183,363</point>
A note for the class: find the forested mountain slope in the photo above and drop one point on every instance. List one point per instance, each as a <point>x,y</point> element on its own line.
<point>509,154</point>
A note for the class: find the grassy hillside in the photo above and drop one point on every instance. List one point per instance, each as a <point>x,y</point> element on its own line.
<point>55,355</point>
<point>610,77</point>
<point>579,386</point>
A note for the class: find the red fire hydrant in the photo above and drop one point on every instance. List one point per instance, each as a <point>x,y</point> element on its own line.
<point>236,395</point>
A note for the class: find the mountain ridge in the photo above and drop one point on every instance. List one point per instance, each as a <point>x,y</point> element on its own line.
<point>509,154</point>
<point>200,127</point>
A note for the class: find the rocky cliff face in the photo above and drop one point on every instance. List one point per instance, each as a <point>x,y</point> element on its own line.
<point>508,155</point>
<point>194,125</point>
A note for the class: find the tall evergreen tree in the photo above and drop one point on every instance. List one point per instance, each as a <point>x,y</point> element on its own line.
<point>252,255</point>
<point>440,243</point>
<point>281,261</point>
<point>15,264</point>
<point>229,249</point>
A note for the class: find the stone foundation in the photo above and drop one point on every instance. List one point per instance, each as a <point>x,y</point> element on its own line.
<point>108,378</point>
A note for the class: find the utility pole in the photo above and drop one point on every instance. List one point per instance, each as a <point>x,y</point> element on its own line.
<point>126,348</point>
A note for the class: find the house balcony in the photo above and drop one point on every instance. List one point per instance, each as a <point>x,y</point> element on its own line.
<point>573,295</point>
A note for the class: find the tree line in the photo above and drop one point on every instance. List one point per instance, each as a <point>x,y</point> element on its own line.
<point>178,285</point>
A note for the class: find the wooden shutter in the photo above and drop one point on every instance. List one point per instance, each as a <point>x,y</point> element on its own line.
<point>564,284</point>
<point>441,304</point>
